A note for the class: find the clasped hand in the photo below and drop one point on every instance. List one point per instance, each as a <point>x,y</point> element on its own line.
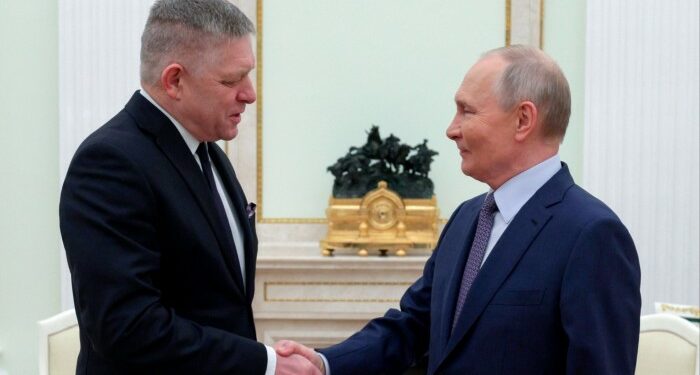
<point>294,359</point>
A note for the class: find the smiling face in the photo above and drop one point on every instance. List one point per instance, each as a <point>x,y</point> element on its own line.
<point>483,132</point>
<point>216,89</point>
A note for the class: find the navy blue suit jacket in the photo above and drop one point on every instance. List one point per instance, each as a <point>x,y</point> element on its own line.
<point>155,290</point>
<point>559,294</point>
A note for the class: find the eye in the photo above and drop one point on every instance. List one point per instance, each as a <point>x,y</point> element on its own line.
<point>465,109</point>
<point>230,82</point>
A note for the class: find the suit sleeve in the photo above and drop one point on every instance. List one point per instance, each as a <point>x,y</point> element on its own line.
<point>600,301</point>
<point>109,229</point>
<point>392,343</point>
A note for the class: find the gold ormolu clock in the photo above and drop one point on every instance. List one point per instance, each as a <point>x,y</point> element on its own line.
<point>381,221</point>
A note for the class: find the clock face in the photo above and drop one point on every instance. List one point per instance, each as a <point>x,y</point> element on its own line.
<point>382,214</point>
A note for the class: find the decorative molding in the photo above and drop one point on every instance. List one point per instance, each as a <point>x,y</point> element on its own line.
<point>641,135</point>
<point>312,339</point>
<point>315,299</point>
<point>525,22</point>
<point>315,264</point>
<point>259,106</point>
<point>525,26</point>
<point>304,285</point>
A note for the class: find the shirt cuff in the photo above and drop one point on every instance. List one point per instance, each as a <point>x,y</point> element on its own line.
<point>325,363</point>
<point>271,360</point>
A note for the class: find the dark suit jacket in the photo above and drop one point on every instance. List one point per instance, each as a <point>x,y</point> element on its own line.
<point>155,290</point>
<point>559,294</point>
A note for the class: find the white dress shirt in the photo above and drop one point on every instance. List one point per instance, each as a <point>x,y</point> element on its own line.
<point>192,144</point>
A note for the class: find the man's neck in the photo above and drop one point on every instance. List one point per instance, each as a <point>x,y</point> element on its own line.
<point>191,141</point>
<point>158,96</point>
<point>524,162</point>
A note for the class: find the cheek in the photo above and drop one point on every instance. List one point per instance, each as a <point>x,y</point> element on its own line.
<point>227,99</point>
<point>471,133</point>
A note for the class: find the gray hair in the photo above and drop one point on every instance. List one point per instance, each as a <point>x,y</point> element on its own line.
<point>184,28</point>
<point>534,76</point>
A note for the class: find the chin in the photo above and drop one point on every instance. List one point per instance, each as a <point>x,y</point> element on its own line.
<point>466,169</point>
<point>228,138</point>
<point>230,135</point>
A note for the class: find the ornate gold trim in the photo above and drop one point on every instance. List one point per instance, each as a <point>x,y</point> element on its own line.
<point>508,6</point>
<point>259,107</point>
<point>327,283</point>
<point>508,22</point>
<point>541,24</point>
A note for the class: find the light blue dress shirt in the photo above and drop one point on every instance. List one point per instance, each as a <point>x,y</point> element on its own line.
<point>510,198</point>
<point>514,193</point>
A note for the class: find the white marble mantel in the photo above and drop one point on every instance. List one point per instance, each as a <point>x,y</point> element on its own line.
<point>320,301</point>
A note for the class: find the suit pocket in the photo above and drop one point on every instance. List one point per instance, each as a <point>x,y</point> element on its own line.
<point>518,297</point>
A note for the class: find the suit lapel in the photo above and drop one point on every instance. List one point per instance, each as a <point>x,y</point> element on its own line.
<point>504,257</point>
<point>152,120</point>
<point>457,257</point>
<point>235,191</point>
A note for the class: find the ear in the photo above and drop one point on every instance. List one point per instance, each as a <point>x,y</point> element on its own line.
<point>526,113</point>
<point>170,80</point>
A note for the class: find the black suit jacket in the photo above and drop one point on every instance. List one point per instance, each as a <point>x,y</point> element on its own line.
<point>155,289</point>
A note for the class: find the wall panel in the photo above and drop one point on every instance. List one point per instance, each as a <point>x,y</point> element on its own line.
<point>641,151</point>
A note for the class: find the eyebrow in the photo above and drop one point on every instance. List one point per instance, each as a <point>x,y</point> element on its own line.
<point>463,103</point>
<point>239,71</point>
<point>232,76</point>
<point>235,74</point>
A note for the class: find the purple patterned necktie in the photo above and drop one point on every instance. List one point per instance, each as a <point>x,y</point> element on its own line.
<point>476,255</point>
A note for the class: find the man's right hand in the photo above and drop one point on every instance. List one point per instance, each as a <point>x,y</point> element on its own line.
<point>295,364</point>
<point>287,349</point>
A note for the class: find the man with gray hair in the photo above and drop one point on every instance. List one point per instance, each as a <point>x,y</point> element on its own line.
<point>536,276</point>
<point>159,237</point>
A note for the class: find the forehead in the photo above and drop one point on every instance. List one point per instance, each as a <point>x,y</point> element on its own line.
<point>481,78</point>
<point>232,55</point>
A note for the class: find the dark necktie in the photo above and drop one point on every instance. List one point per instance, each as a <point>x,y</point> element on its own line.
<point>476,254</point>
<point>225,226</point>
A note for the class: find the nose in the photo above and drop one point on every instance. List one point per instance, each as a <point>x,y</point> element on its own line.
<point>247,93</point>
<point>453,131</point>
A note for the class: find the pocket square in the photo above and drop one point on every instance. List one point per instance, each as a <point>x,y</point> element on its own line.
<point>250,209</point>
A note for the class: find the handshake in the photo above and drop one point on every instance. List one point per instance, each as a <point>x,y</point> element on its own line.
<point>296,359</point>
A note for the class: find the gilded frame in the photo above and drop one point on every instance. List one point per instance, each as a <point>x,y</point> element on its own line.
<point>259,106</point>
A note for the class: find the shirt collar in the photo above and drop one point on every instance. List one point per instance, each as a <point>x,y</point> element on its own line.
<point>191,142</point>
<point>513,194</point>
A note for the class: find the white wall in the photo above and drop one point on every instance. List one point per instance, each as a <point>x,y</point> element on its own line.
<point>98,71</point>
<point>29,271</point>
<point>641,152</point>
<point>332,69</point>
